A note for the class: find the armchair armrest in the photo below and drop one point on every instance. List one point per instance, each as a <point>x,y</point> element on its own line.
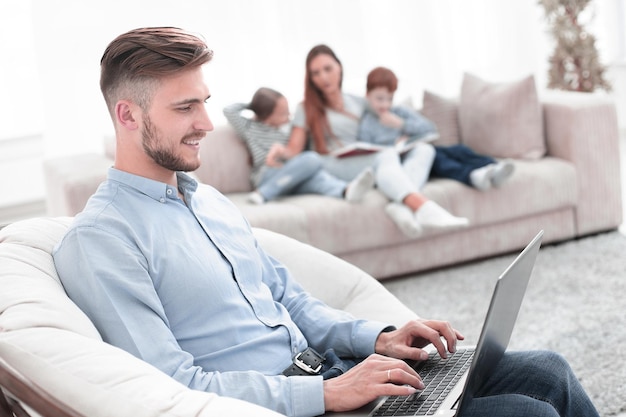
<point>582,128</point>
<point>15,385</point>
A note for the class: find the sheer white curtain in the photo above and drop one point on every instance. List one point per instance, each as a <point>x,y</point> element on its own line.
<point>51,50</point>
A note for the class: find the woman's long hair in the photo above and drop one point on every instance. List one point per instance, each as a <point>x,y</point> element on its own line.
<point>315,103</point>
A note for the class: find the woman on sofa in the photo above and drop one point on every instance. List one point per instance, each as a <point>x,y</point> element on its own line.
<point>331,118</point>
<point>301,174</point>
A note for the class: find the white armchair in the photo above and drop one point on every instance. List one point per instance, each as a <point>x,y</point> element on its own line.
<point>54,363</point>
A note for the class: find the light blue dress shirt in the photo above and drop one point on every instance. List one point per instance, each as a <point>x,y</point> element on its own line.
<point>184,286</point>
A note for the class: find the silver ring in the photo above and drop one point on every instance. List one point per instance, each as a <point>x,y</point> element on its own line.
<point>388,375</point>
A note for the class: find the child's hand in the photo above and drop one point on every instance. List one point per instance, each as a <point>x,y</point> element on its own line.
<point>389,119</point>
<point>276,156</point>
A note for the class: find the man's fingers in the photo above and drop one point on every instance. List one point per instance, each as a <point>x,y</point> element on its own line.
<point>400,376</point>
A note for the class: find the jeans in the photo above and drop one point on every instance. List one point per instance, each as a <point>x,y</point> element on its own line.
<point>534,383</point>
<point>396,176</point>
<point>457,162</point>
<point>302,174</point>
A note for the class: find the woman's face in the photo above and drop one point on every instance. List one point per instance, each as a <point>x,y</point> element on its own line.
<point>325,73</point>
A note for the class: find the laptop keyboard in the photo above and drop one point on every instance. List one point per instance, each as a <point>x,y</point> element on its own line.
<point>439,376</point>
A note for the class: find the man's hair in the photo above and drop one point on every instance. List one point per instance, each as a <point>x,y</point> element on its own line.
<point>135,61</point>
<point>264,102</point>
<point>382,77</point>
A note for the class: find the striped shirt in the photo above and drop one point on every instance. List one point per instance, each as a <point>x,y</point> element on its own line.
<point>258,137</point>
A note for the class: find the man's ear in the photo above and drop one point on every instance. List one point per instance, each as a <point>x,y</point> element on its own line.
<point>126,114</point>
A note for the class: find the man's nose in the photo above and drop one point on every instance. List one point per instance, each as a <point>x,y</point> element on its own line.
<point>204,123</point>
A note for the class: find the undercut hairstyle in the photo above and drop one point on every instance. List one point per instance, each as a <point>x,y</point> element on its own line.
<point>134,62</point>
<point>315,102</point>
<point>382,77</point>
<point>264,102</point>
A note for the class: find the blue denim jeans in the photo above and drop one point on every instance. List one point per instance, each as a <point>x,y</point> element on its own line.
<point>457,162</point>
<point>524,384</point>
<point>302,174</point>
<point>534,383</point>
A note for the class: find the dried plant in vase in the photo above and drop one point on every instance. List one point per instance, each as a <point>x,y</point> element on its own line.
<point>575,64</point>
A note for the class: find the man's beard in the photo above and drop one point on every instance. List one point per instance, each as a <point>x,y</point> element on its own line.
<point>154,148</point>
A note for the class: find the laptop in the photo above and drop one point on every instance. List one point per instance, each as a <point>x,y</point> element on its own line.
<point>470,365</point>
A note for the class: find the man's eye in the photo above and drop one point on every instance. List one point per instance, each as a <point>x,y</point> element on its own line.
<point>184,109</point>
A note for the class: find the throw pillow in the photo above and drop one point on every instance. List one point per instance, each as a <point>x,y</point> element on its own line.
<point>503,120</point>
<point>444,113</point>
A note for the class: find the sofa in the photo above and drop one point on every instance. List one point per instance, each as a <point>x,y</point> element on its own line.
<point>564,146</point>
<point>53,362</point>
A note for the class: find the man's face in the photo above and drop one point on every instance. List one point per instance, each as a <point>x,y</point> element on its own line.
<point>176,122</point>
<point>380,99</point>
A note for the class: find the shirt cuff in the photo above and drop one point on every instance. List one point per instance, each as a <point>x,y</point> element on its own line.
<point>365,336</point>
<point>307,395</point>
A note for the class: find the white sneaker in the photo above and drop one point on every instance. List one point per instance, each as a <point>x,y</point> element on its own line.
<point>431,214</point>
<point>403,217</point>
<point>501,171</point>
<point>356,189</point>
<point>256,198</point>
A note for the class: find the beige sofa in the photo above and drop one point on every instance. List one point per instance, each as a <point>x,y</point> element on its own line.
<point>53,360</point>
<point>566,181</point>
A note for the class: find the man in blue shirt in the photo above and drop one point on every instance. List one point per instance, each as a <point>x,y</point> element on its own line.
<point>169,270</point>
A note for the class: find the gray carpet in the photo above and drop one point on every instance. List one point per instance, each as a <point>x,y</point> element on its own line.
<point>574,305</point>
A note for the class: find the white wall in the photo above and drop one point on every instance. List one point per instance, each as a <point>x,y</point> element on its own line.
<point>428,43</point>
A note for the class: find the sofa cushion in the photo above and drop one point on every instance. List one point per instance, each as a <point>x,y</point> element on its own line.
<point>503,120</point>
<point>341,228</point>
<point>280,215</point>
<point>328,223</point>
<point>226,163</point>
<point>444,113</point>
<point>524,194</point>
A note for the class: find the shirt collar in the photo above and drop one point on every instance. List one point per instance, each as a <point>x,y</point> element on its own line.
<point>156,190</point>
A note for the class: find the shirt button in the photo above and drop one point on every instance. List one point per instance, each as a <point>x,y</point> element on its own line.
<point>162,200</point>
<point>169,191</point>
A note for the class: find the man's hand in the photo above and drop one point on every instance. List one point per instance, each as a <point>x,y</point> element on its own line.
<point>407,342</point>
<point>375,376</point>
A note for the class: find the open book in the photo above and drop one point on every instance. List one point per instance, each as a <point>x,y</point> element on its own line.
<point>363,148</point>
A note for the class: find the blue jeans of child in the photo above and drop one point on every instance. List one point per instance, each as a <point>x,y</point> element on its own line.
<point>302,174</point>
<point>457,162</point>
